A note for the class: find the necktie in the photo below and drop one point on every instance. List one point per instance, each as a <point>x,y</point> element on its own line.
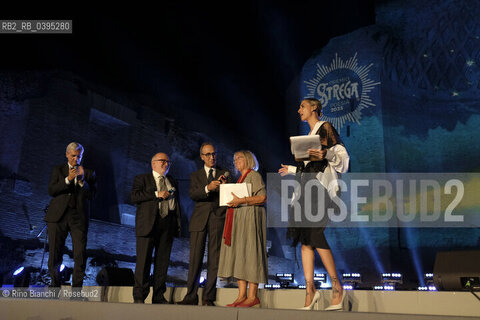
<point>210,175</point>
<point>163,204</point>
<point>72,203</point>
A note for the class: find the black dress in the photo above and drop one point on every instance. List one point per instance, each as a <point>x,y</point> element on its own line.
<point>314,236</point>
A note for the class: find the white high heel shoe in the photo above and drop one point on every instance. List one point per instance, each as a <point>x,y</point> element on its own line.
<point>338,306</point>
<point>316,297</point>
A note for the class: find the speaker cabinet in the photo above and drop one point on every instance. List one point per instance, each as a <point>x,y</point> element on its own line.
<point>112,276</point>
<point>457,270</point>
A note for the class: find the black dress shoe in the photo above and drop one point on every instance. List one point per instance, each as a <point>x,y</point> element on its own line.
<point>160,301</point>
<point>191,302</point>
<point>208,303</point>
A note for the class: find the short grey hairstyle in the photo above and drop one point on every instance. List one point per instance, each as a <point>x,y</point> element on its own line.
<point>75,146</point>
<point>251,160</point>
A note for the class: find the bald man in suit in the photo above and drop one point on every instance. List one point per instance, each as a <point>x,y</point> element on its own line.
<point>157,222</point>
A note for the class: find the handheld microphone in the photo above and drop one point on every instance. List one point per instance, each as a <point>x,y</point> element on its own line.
<point>224,176</point>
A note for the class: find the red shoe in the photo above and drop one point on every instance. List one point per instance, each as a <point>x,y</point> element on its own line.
<point>254,304</point>
<point>235,303</point>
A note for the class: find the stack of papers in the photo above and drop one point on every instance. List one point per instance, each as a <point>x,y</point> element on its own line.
<point>300,145</point>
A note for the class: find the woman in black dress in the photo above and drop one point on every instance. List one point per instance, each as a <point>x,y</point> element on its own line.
<point>332,157</point>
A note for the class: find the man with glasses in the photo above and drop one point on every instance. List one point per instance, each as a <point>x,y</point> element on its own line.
<point>157,222</point>
<point>207,219</point>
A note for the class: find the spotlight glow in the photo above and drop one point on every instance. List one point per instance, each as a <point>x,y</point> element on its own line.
<point>285,277</point>
<point>272,286</point>
<point>320,277</point>
<point>385,288</point>
<point>390,278</point>
<point>62,267</point>
<point>352,277</point>
<point>391,275</point>
<point>18,271</point>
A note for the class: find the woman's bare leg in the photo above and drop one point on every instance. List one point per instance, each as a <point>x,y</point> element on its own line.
<point>242,291</point>
<point>308,259</point>
<point>329,264</point>
<point>252,292</point>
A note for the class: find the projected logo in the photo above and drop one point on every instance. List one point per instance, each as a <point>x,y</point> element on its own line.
<point>343,88</point>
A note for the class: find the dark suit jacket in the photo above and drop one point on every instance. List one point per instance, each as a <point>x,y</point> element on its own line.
<point>204,204</point>
<point>143,195</point>
<point>61,193</point>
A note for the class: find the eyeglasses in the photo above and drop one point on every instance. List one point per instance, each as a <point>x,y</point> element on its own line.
<point>163,161</point>
<point>208,155</point>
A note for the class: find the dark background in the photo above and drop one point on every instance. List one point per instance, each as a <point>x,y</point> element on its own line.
<point>231,62</point>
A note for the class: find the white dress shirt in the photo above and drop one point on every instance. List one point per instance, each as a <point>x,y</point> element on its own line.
<point>171,198</point>
<point>207,170</point>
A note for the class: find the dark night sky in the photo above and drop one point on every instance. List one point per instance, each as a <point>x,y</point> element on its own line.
<point>232,61</point>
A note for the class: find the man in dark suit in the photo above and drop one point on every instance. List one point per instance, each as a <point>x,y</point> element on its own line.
<point>157,222</point>
<point>207,219</point>
<point>72,187</point>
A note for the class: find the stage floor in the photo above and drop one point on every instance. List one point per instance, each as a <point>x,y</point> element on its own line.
<point>116,303</point>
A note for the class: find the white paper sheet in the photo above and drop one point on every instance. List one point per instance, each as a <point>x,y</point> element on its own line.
<point>300,145</point>
<point>241,190</point>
